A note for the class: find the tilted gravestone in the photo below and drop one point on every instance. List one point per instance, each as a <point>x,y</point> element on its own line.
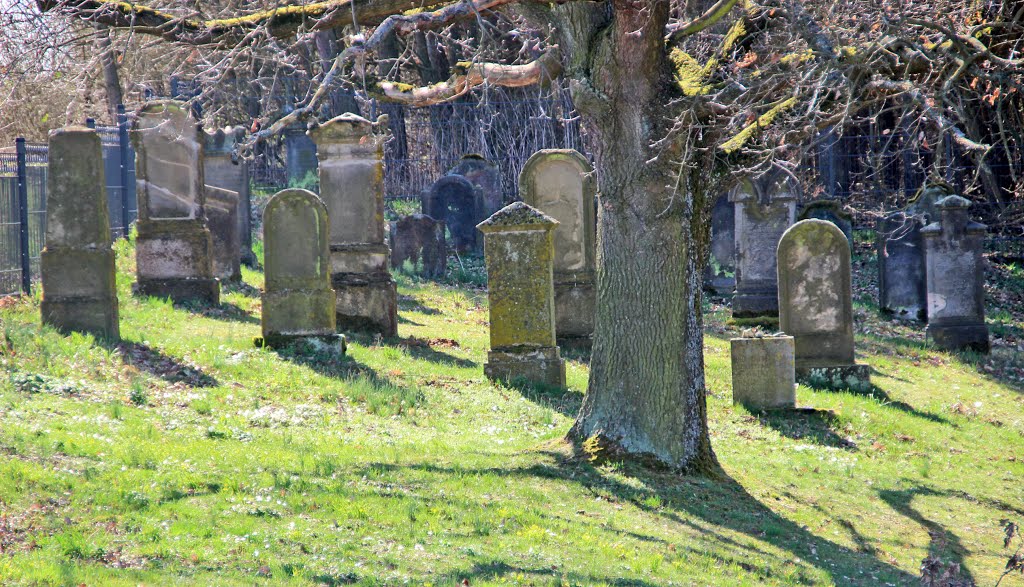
<point>222,220</point>
<point>223,168</point>
<point>519,253</point>
<point>174,250</point>
<point>763,372</point>
<point>561,184</point>
<point>901,269</point>
<point>816,306</point>
<point>832,211</point>
<point>765,208</point>
<point>352,187</point>
<point>956,277</point>
<point>298,302</point>
<point>459,204</point>
<point>419,237</point>
<point>485,176</point>
<point>720,275</point>
<point>77,264</point>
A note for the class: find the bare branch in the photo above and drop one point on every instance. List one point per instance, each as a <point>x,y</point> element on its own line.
<point>711,16</point>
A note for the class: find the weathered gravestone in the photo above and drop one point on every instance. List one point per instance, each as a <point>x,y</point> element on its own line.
<point>720,275</point>
<point>222,220</point>
<point>298,302</point>
<point>485,176</point>
<point>832,211</point>
<point>765,208</point>
<point>174,251</point>
<point>77,265</point>
<point>561,184</point>
<point>763,372</point>
<point>901,270</point>
<point>519,253</point>
<point>300,154</point>
<point>815,304</point>
<point>419,237</point>
<point>459,204</point>
<point>223,168</point>
<point>352,187</point>
<point>956,277</point>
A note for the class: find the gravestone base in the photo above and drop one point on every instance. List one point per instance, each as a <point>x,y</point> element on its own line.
<point>331,343</point>
<point>720,285</point>
<point>755,304</point>
<point>178,259</point>
<point>180,289</point>
<point>300,312</point>
<point>539,365</point>
<point>366,305</point>
<point>74,277</point>
<point>574,311</point>
<point>763,375</point>
<point>955,337</point>
<point>97,316</point>
<point>855,377</point>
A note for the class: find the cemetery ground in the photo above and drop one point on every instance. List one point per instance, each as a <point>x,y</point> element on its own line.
<point>184,455</point>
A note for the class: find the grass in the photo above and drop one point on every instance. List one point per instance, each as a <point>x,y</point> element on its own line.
<point>184,455</point>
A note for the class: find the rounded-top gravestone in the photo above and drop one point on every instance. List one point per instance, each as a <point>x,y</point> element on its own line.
<point>485,176</point>
<point>457,202</point>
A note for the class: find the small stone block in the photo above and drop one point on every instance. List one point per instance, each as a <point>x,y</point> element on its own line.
<point>763,375</point>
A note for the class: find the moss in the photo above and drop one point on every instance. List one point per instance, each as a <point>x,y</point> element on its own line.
<point>691,76</point>
<point>736,143</point>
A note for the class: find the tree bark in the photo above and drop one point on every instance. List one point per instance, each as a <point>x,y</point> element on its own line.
<point>111,81</point>
<point>646,395</point>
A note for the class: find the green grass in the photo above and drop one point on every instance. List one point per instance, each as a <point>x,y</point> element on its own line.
<point>187,456</point>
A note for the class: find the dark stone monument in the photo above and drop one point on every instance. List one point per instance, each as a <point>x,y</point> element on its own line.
<point>223,168</point>
<point>901,267</point>
<point>831,211</point>
<point>485,176</point>
<point>222,219</point>
<point>720,276</point>
<point>458,203</point>
<point>300,157</point>
<point>419,237</point>
<point>955,273</point>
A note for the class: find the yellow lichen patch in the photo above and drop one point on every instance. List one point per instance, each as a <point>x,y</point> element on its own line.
<point>691,76</point>
<point>741,138</point>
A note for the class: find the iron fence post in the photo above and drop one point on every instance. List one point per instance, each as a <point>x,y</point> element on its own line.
<point>124,147</point>
<point>20,153</point>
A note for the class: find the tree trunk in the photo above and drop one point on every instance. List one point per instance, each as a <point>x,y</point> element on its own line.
<point>111,81</point>
<point>646,395</point>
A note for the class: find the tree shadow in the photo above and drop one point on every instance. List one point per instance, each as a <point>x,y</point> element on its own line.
<point>807,424</point>
<point>420,348</point>
<point>226,311</point>
<point>241,287</point>
<point>882,396</point>
<point>150,360</point>
<point>690,501</point>
<point>411,304</point>
<point>560,399</point>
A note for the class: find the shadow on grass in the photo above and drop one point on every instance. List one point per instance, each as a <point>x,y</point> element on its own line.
<point>882,396</point>
<point>240,287</point>
<point>411,304</point>
<point>225,311</point>
<point>560,399</point>
<point>419,348</point>
<point>150,360</point>
<point>575,349</point>
<point>701,505</point>
<point>807,424</point>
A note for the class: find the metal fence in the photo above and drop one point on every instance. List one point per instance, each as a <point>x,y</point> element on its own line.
<point>24,170</point>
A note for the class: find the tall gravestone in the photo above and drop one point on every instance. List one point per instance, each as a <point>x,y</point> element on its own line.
<point>222,219</point>
<point>560,183</point>
<point>223,168</point>
<point>485,176</point>
<point>350,152</point>
<point>816,306</point>
<point>174,250</point>
<point>519,253</point>
<point>901,269</point>
<point>720,276</point>
<point>77,264</point>
<point>417,238</point>
<point>456,201</point>
<point>765,207</point>
<point>298,302</point>
<point>956,278</point>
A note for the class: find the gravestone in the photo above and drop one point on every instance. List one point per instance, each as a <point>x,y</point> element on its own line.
<point>901,268</point>
<point>519,253</point>
<point>832,211</point>
<point>955,278</point>
<point>720,275</point>
<point>174,250</point>
<point>352,187</point>
<point>816,306</point>
<point>300,154</point>
<point>561,184</point>
<point>765,207</point>
<point>222,219</point>
<point>298,302</point>
<point>419,237</point>
<point>763,372</point>
<point>485,176</point>
<point>223,168</point>
<point>77,264</point>
<point>459,204</point>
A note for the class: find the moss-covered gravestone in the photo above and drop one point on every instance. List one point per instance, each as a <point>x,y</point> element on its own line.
<point>561,184</point>
<point>350,152</point>
<point>223,168</point>
<point>955,278</point>
<point>765,208</point>
<point>816,306</point>
<point>79,290</point>
<point>174,250</point>
<point>298,302</point>
<point>222,220</point>
<point>519,251</point>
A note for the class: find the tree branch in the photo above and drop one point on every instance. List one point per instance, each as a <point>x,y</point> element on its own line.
<point>712,15</point>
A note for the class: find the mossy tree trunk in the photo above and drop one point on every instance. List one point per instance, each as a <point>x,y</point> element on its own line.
<point>646,395</point>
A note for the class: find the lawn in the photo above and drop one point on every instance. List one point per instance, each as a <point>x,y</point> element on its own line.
<point>184,455</point>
